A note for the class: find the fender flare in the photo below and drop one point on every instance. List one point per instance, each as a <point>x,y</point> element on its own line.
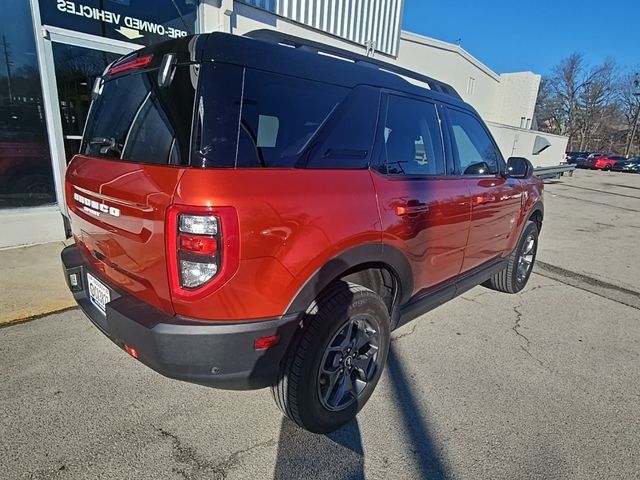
<point>370,254</point>
<point>538,206</point>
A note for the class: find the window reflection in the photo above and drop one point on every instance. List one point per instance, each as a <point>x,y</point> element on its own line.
<point>26,177</point>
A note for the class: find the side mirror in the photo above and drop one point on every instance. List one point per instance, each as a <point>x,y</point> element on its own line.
<point>519,167</point>
<point>480,168</point>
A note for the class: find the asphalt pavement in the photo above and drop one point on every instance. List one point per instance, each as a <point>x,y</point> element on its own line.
<point>543,384</point>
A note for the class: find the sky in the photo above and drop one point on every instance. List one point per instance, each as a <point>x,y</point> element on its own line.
<point>532,34</point>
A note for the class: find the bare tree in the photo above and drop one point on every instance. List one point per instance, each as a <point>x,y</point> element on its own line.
<point>566,83</point>
<point>628,100</point>
<point>549,112</point>
<point>596,108</point>
<point>593,106</point>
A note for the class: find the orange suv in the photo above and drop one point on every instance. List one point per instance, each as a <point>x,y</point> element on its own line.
<point>248,214</point>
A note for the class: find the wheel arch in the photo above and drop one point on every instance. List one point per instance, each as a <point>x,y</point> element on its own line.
<point>537,215</point>
<point>381,268</point>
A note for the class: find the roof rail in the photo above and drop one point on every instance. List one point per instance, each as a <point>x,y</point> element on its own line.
<point>304,44</point>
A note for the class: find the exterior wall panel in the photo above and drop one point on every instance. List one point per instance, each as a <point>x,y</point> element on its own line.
<point>374,23</point>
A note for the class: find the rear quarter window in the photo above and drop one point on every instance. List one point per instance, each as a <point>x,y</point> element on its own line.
<point>249,118</point>
<point>347,139</point>
<point>280,116</point>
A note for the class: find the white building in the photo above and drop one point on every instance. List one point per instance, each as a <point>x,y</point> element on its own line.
<point>54,49</point>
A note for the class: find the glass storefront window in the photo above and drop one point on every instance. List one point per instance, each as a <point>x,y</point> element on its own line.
<point>138,21</point>
<point>26,178</point>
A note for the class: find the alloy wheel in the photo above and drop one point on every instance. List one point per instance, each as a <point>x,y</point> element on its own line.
<point>349,363</point>
<point>525,262</point>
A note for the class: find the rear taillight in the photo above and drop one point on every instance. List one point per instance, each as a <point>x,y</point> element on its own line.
<point>202,248</point>
<point>198,257</point>
<point>133,64</point>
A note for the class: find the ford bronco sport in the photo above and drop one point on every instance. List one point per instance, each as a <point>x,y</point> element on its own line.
<point>247,214</point>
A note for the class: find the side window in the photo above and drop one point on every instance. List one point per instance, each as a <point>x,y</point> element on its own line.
<point>217,115</point>
<point>412,140</point>
<point>280,115</point>
<point>350,133</point>
<point>475,151</point>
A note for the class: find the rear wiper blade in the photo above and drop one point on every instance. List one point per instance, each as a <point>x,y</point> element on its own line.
<point>107,145</point>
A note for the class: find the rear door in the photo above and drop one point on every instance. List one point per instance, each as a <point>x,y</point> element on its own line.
<point>425,212</point>
<point>495,200</point>
<point>135,147</point>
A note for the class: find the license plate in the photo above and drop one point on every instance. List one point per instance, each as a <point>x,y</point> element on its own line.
<point>98,293</point>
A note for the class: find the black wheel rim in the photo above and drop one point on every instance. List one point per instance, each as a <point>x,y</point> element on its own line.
<point>349,363</point>
<point>525,261</point>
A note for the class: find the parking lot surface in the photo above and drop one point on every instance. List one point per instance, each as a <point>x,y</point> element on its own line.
<point>543,384</point>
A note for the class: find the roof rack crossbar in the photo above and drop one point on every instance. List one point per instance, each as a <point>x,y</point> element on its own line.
<point>273,36</point>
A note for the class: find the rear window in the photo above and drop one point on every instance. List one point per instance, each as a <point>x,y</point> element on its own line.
<point>134,119</point>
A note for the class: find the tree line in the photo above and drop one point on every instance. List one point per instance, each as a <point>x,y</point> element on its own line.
<point>596,107</point>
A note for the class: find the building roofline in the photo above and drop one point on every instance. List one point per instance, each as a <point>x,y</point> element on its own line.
<point>519,129</point>
<point>450,47</point>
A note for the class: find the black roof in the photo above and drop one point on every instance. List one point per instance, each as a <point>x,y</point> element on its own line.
<point>264,53</point>
<point>301,59</point>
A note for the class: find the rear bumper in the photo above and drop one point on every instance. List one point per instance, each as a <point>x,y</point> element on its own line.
<point>219,354</point>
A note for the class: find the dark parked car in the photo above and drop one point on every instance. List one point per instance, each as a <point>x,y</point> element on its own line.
<point>584,162</point>
<point>590,161</point>
<point>573,157</point>
<point>631,165</point>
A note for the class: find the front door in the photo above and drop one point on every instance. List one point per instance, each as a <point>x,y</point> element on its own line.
<point>496,201</point>
<point>425,213</point>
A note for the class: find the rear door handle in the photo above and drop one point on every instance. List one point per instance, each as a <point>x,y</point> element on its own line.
<point>402,210</point>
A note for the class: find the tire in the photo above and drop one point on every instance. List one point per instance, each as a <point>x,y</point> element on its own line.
<point>515,275</point>
<point>342,317</point>
<point>606,168</point>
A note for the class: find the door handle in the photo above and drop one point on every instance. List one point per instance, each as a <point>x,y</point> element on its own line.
<point>484,198</point>
<point>402,210</point>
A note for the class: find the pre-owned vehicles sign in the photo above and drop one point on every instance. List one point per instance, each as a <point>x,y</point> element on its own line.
<point>139,21</point>
<point>134,27</point>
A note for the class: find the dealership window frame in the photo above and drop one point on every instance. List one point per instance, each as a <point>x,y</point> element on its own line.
<point>46,36</point>
<point>38,224</point>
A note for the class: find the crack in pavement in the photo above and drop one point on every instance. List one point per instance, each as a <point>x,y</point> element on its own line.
<point>516,326</point>
<point>516,329</point>
<point>472,300</point>
<point>406,334</point>
<point>187,455</point>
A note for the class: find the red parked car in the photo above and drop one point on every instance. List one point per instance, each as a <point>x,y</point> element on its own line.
<point>249,215</point>
<point>600,161</point>
<point>607,162</point>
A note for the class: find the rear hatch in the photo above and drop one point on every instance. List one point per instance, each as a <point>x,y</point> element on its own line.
<point>135,148</point>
